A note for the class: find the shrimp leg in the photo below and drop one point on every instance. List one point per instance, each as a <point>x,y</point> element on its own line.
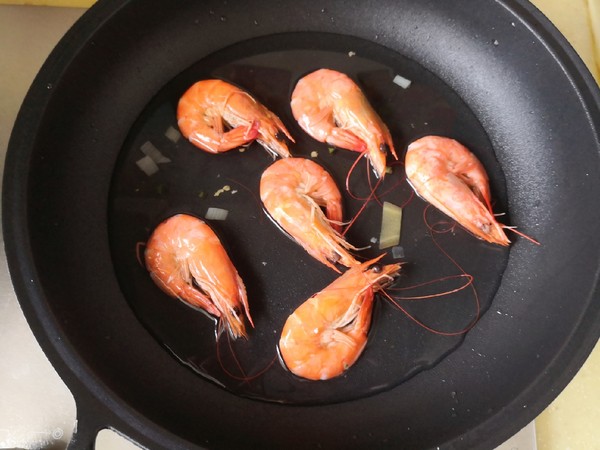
<point>214,139</point>
<point>181,287</point>
<point>187,261</point>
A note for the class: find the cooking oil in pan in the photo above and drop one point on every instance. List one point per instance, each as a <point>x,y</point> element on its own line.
<point>278,274</point>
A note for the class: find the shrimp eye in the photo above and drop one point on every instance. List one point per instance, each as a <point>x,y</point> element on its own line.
<point>236,311</point>
<point>384,148</point>
<point>376,268</point>
<point>279,136</point>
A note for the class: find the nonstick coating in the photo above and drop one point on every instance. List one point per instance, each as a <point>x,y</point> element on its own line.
<point>532,95</point>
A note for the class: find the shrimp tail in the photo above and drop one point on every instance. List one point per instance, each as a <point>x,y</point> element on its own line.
<point>335,241</point>
<point>275,148</point>
<point>187,294</point>
<point>271,137</point>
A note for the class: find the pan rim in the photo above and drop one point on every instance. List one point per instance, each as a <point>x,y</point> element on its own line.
<point>19,254</point>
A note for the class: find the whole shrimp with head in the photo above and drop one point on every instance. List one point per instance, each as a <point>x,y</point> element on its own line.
<point>327,333</point>
<point>293,190</point>
<point>209,105</point>
<point>331,108</point>
<point>446,174</point>
<point>187,261</point>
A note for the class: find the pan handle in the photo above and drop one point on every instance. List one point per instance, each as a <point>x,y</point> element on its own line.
<point>84,436</point>
<point>92,420</point>
<point>88,438</point>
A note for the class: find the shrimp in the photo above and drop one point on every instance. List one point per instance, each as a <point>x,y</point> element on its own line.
<point>446,174</point>
<point>292,191</point>
<point>208,103</point>
<point>187,261</point>
<point>327,333</point>
<point>331,108</point>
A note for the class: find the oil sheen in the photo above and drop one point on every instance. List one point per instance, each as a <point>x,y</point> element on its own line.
<point>278,274</point>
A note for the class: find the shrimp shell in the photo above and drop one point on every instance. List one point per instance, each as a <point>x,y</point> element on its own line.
<point>208,103</point>
<point>293,190</point>
<point>446,174</point>
<point>187,261</point>
<point>327,333</point>
<point>331,108</point>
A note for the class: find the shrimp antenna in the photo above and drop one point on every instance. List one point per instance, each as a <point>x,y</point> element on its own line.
<point>469,281</point>
<point>354,164</point>
<point>252,194</point>
<point>430,329</point>
<point>243,376</point>
<point>362,208</point>
<point>468,284</point>
<point>392,188</point>
<point>373,195</point>
<point>366,199</point>
<point>520,233</point>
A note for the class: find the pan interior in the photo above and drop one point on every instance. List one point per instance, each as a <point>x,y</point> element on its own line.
<point>278,274</point>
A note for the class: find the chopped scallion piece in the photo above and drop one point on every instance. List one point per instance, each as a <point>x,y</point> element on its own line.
<point>216,214</point>
<point>391,222</point>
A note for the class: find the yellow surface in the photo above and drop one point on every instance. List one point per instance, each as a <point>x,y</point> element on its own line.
<point>572,421</point>
<point>594,11</point>
<point>579,21</point>
<point>71,3</point>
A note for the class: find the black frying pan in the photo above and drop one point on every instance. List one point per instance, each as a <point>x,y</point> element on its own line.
<point>496,75</point>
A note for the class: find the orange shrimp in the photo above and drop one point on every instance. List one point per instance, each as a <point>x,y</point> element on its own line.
<point>187,261</point>
<point>292,191</point>
<point>331,108</point>
<point>208,103</point>
<point>446,174</point>
<point>327,333</point>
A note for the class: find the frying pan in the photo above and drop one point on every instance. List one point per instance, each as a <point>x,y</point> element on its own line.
<point>520,80</point>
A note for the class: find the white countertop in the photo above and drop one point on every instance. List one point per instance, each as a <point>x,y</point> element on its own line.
<point>36,408</point>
